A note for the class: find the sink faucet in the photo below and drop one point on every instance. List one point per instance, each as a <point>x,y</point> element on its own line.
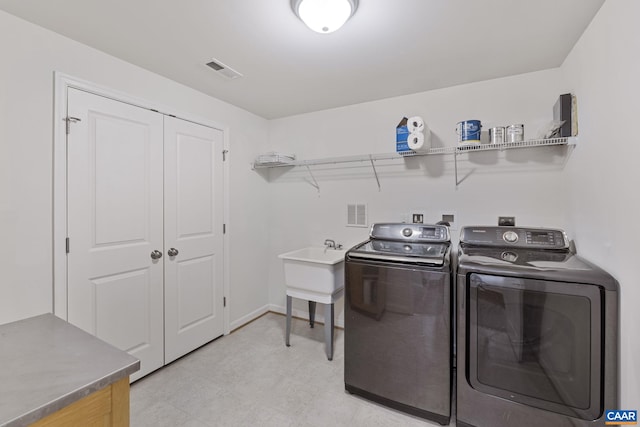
<point>330,243</point>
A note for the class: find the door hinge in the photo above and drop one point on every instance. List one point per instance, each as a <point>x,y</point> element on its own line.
<point>67,245</point>
<point>70,120</point>
<point>224,228</point>
<point>224,155</point>
<point>224,301</point>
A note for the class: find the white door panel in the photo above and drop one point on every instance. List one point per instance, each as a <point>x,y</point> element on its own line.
<point>195,294</point>
<point>132,310</point>
<point>193,225</point>
<point>121,208</point>
<point>115,220</point>
<point>193,185</point>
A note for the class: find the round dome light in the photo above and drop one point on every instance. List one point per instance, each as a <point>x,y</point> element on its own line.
<point>324,16</point>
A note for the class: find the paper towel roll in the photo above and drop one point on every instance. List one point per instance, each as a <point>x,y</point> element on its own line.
<point>415,124</point>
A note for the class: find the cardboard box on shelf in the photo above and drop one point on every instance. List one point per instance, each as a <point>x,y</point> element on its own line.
<point>402,137</point>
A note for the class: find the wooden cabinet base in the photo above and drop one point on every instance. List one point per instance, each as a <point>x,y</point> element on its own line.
<point>106,407</point>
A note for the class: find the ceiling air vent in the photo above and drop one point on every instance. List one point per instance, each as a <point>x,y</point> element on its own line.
<point>224,70</point>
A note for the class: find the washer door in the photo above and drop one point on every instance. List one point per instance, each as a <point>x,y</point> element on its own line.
<point>536,342</point>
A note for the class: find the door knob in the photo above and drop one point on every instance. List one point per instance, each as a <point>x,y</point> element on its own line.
<point>172,252</point>
<point>156,255</point>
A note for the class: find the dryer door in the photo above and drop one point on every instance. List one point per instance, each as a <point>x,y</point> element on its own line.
<point>536,342</point>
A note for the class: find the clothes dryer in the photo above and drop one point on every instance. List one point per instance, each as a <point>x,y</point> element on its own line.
<point>537,331</point>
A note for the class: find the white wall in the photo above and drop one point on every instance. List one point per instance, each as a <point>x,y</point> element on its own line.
<point>30,55</point>
<point>603,70</point>
<point>524,183</point>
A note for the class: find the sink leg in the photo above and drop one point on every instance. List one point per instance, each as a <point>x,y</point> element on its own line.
<point>288,333</point>
<point>312,313</point>
<point>328,330</point>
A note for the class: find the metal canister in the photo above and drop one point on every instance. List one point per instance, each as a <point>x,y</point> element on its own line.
<point>515,133</point>
<point>497,135</point>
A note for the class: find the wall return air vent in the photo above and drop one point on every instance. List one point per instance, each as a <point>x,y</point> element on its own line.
<point>223,69</point>
<point>356,215</point>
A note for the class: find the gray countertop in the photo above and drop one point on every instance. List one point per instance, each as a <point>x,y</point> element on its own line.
<point>47,364</point>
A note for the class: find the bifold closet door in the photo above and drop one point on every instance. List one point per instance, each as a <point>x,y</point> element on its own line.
<point>115,225</point>
<point>193,227</point>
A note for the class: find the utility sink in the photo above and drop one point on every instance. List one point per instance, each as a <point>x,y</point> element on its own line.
<point>315,274</point>
<point>314,269</point>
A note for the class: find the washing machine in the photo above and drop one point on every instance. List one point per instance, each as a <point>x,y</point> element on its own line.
<point>398,306</point>
<point>537,331</point>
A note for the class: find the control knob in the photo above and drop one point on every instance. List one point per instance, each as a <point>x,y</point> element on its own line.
<point>510,237</point>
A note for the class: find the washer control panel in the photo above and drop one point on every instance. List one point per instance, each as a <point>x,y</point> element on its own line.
<point>410,232</point>
<point>519,237</point>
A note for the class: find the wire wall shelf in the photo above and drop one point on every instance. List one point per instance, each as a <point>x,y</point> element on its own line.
<point>452,150</point>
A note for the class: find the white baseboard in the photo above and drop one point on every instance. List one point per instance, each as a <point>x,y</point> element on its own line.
<point>304,314</point>
<point>249,317</point>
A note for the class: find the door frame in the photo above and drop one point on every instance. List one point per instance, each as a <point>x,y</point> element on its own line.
<point>62,82</point>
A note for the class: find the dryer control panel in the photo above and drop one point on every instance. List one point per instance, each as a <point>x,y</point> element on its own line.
<point>519,237</point>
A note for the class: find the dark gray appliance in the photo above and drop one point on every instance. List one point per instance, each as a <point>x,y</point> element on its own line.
<point>398,319</point>
<point>537,339</point>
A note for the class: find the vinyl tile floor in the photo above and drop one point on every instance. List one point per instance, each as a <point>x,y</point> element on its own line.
<point>250,378</point>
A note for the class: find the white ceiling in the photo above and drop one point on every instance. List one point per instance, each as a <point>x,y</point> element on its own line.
<point>388,48</point>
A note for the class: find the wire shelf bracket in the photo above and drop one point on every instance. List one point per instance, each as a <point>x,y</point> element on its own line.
<point>375,173</point>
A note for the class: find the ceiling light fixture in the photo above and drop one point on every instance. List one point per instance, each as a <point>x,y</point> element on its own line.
<point>324,16</point>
